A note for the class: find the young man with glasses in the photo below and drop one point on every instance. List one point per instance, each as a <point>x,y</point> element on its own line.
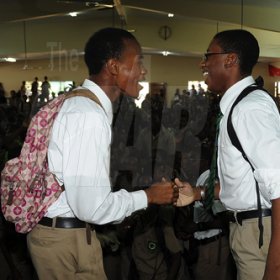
<point>227,67</point>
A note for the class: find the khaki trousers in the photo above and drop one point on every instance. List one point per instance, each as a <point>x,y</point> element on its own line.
<point>244,242</point>
<point>62,254</point>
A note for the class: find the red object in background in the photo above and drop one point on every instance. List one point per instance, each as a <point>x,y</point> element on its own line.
<point>273,71</point>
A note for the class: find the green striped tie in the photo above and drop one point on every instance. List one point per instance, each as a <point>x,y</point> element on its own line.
<point>209,192</point>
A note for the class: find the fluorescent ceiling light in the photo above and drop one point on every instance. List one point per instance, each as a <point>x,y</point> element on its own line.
<point>73,14</point>
<point>8,59</point>
<point>165,53</point>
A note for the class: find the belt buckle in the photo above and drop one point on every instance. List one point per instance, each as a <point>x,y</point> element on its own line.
<point>237,220</point>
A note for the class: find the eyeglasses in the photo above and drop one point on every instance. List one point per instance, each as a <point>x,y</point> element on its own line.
<point>206,55</point>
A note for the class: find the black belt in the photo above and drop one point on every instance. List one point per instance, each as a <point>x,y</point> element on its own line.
<point>210,239</point>
<point>61,222</point>
<point>245,215</point>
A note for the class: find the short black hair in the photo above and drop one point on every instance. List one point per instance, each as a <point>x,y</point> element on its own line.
<point>244,44</point>
<point>103,45</point>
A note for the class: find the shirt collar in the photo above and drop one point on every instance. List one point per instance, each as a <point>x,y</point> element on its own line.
<point>103,98</point>
<point>232,93</point>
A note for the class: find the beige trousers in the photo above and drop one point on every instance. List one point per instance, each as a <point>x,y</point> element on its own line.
<point>244,242</point>
<point>62,254</point>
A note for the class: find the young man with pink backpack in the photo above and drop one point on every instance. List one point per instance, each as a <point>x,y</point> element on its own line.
<point>62,240</point>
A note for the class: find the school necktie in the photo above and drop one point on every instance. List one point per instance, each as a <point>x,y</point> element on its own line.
<point>209,192</point>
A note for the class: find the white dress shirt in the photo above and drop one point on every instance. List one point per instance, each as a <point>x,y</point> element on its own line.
<point>256,121</point>
<point>79,156</point>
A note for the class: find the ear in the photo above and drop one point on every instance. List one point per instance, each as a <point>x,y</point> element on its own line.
<point>231,60</point>
<point>113,66</point>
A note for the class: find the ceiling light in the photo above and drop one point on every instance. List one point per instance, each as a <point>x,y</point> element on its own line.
<point>165,53</point>
<point>73,14</point>
<point>170,15</point>
<point>8,59</point>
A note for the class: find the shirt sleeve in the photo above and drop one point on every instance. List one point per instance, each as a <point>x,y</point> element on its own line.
<point>86,167</point>
<point>258,129</point>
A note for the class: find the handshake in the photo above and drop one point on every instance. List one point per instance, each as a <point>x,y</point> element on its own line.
<point>168,192</point>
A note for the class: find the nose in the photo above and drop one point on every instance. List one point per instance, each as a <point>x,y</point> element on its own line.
<point>144,70</point>
<point>202,63</point>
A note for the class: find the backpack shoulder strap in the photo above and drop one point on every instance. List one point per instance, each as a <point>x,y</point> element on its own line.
<point>84,92</point>
<point>235,142</point>
<point>231,131</point>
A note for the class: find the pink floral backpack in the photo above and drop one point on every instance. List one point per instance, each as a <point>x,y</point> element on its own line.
<point>28,188</point>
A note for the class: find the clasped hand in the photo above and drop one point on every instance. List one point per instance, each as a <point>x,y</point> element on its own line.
<point>178,193</point>
<point>186,193</point>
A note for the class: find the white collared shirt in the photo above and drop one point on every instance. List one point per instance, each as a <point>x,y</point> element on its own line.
<point>79,156</point>
<point>256,121</point>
